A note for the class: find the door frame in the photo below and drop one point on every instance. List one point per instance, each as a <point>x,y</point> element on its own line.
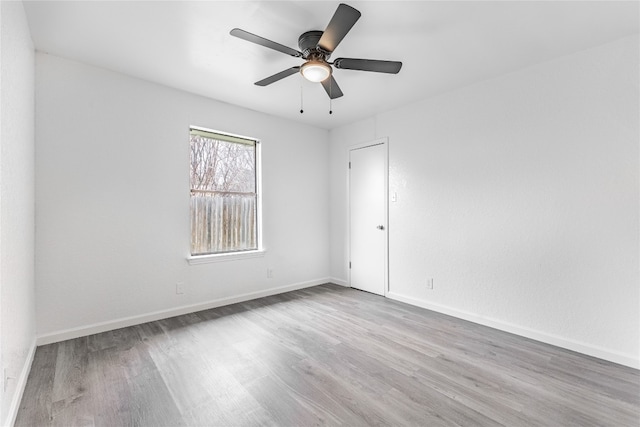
<point>385,142</point>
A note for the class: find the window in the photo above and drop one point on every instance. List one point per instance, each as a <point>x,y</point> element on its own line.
<point>224,196</point>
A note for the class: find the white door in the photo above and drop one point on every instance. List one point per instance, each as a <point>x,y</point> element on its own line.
<point>368,216</point>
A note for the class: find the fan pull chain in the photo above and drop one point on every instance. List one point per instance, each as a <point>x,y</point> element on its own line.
<point>301,109</point>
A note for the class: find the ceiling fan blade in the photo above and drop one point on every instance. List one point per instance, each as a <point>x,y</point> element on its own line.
<point>391,67</point>
<point>343,19</point>
<point>245,35</point>
<point>331,87</point>
<point>278,76</point>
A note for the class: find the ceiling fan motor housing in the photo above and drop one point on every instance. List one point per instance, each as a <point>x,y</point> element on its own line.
<point>308,43</point>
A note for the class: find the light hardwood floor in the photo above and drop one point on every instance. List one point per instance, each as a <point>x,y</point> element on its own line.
<point>327,355</point>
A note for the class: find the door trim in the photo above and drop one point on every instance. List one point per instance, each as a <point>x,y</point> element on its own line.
<point>385,142</point>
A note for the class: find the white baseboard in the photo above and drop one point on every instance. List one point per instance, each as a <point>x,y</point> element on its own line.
<point>20,386</point>
<point>97,328</point>
<point>558,341</point>
<point>340,282</point>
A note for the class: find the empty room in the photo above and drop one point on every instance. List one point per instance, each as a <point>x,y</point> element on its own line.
<point>297,213</point>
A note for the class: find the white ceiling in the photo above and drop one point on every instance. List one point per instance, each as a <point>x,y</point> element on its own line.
<point>442,44</point>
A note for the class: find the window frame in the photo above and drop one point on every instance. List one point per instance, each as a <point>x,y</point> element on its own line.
<point>239,254</point>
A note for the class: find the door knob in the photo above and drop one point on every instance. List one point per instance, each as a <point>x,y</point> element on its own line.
<point>380,227</point>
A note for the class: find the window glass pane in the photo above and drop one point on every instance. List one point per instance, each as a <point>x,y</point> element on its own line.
<point>223,195</point>
<point>222,166</point>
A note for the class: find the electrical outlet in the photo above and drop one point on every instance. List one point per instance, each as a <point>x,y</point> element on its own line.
<point>430,283</point>
<point>179,288</point>
<point>269,273</point>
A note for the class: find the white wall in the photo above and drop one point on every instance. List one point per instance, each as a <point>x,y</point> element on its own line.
<point>17,300</point>
<point>112,198</point>
<point>520,197</point>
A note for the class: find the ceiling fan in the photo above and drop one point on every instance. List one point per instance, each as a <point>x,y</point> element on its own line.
<point>316,47</point>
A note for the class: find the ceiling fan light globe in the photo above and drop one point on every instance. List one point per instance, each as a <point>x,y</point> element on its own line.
<point>315,71</point>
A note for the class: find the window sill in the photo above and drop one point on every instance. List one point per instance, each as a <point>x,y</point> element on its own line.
<point>205,259</point>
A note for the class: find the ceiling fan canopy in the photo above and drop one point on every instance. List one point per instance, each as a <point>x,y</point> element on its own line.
<point>316,47</point>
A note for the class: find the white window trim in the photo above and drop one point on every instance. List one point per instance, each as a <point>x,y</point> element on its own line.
<point>238,255</point>
<point>223,257</point>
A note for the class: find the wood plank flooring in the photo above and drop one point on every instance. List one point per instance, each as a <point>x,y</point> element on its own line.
<point>326,355</point>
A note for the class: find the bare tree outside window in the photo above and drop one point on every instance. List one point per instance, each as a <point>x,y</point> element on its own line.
<point>223,193</point>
